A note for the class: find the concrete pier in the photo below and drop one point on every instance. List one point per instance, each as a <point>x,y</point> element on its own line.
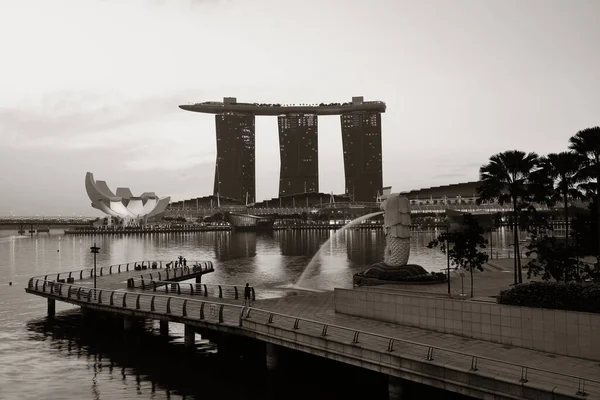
<point>128,323</point>
<point>51,307</point>
<point>272,356</point>
<point>198,278</point>
<point>189,336</point>
<point>395,388</point>
<point>332,326</point>
<point>164,328</point>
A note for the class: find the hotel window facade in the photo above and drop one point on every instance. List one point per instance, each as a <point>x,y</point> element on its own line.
<point>299,154</point>
<point>361,140</point>
<point>235,167</point>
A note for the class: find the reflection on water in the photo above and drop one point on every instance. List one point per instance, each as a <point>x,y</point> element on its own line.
<point>70,359</point>
<point>365,247</point>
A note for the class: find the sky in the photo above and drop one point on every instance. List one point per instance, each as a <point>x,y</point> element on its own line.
<point>94,85</point>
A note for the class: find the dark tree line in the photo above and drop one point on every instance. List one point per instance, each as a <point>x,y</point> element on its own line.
<point>525,180</point>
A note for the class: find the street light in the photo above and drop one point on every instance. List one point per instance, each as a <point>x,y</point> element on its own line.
<point>448,266</point>
<point>462,285</point>
<point>94,250</point>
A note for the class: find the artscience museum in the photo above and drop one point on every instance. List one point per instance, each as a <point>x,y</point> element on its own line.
<point>123,206</point>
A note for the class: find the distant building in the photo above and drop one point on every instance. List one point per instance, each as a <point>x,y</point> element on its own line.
<point>235,166</point>
<point>299,153</point>
<point>361,140</point>
<point>298,137</point>
<point>457,193</point>
<point>313,199</point>
<point>122,205</point>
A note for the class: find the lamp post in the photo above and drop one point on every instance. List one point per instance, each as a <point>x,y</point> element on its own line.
<point>94,250</point>
<point>448,255</point>
<point>448,266</point>
<point>462,285</point>
<point>491,246</point>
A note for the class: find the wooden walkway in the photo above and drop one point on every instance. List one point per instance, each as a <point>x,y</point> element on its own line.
<point>309,320</point>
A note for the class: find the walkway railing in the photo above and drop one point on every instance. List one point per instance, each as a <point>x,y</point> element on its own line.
<point>403,347</point>
<point>220,313</point>
<point>88,273</point>
<point>192,289</point>
<point>155,303</point>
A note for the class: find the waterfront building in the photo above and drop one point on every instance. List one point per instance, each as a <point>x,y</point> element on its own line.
<point>122,205</point>
<point>235,166</point>
<point>298,149</point>
<point>298,136</point>
<point>361,139</point>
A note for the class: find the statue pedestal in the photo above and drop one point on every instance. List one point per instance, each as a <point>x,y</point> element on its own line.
<point>410,274</point>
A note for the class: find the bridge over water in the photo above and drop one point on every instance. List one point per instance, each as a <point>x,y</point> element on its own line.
<point>37,220</point>
<point>351,208</point>
<point>308,323</point>
<point>341,207</point>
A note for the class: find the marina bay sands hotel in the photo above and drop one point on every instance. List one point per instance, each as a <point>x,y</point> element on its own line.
<point>298,146</point>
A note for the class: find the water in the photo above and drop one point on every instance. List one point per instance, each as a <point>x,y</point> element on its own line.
<point>338,235</point>
<point>70,358</point>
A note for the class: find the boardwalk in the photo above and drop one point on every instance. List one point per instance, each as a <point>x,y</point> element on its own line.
<point>308,323</point>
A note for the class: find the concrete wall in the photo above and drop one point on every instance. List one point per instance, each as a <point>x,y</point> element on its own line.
<point>569,333</point>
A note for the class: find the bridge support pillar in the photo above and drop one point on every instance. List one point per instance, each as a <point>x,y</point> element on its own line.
<point>272,358</point>
<point>128,323</point>
<point>51,307</point>
<point>189,336</point>
<point>164,328</point>
<point>395,388</point>
<point>85,312</point>
<point>199,278</point>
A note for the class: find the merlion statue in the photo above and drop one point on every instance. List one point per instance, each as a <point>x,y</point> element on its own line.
<point>396,225</point>
<point>395,267</point>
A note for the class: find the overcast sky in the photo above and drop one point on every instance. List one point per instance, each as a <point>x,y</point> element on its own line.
<point>93,85</point>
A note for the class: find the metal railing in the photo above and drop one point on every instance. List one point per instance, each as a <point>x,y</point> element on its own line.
<point>192,289</point>
<point>86,273</point>
<point>136,230</point>
<point>216,312</point>
<point>477,362</point>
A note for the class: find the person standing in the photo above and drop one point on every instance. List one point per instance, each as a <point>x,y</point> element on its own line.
<point>248,295</point>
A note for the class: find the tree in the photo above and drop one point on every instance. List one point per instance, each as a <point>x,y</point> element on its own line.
<point>466,244</point>
<point>556,181</point>
<point>584,231</point>
<point>587,143</point>
<point>506,179</point>
<point>554,258</point>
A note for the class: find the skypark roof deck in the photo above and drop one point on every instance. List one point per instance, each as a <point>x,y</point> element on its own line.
<point>230,104</point>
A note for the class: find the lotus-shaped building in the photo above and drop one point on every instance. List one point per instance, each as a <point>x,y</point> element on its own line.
<point>123,205</point>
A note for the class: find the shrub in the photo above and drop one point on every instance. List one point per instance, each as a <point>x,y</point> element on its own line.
<point>572,296</point>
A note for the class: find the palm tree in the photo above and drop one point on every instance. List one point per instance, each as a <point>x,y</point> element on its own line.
<point>557,179</point>
<point>587,144</point>
<point>506,179</point>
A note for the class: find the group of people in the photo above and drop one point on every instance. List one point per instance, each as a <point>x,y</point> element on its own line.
<point>182,262</point>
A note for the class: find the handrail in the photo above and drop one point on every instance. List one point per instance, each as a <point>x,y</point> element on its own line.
<point>86,293</point>
<point>86,273</point>
<point>392,340</point>
<point>193,288</point>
